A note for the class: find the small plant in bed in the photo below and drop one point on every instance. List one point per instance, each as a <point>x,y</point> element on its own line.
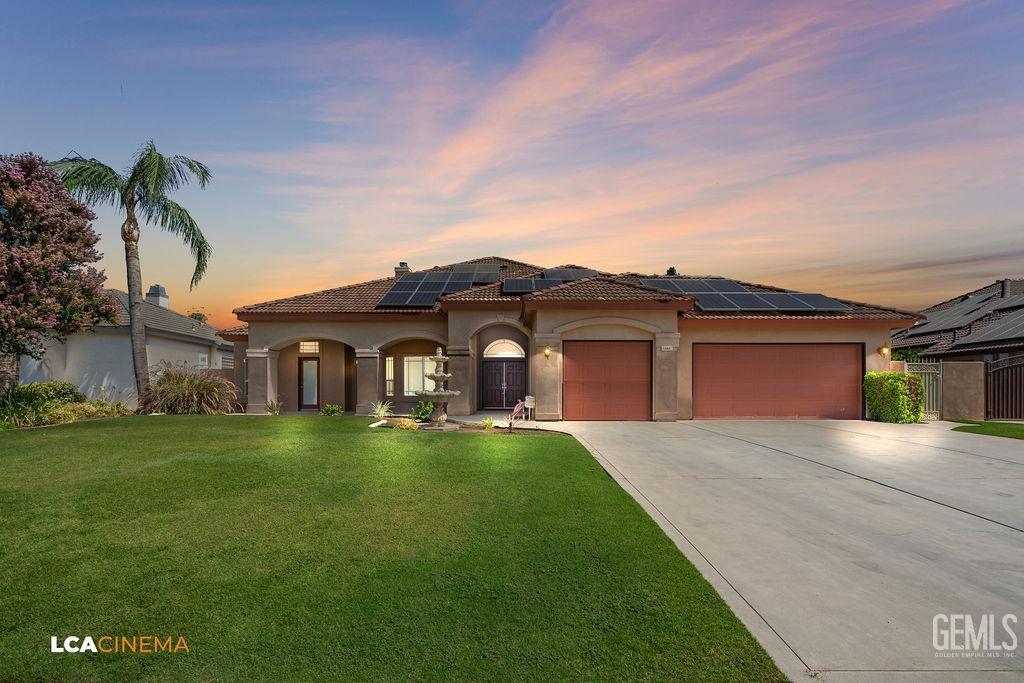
<point>381,409</point>
<point>331,409</point>
<point>422,411</point>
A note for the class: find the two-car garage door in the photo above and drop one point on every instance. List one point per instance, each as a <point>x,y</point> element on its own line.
<point>777,380</point>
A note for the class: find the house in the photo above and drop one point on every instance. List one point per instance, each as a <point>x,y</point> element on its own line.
<point>99,361</point>
<point>985,324</point>
<point>587,344</point>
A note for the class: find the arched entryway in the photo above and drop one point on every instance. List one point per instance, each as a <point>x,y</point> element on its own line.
<point>312,373</point>
<point>503,371</point>
<point>404,365</point>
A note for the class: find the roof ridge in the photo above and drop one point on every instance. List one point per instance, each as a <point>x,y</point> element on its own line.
<point>604,278</point>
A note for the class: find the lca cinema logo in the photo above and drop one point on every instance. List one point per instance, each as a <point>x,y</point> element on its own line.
<point>969,636</point>
<point>122,645</point>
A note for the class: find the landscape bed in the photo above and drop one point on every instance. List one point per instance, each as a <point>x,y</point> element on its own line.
<point>298,548</point>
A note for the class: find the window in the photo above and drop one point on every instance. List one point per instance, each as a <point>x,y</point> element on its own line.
<point>227,361</point>
<point>416,367</point>
<point>504,348</point>
<point>312,347</point>
<point>202,360</point>
<point>389,375</point>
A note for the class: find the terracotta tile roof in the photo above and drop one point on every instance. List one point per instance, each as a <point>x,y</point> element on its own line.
<point>363,297</point>
<point>236,332</point>
<point>601,288</point>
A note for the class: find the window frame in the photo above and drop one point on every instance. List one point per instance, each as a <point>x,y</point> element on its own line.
<point>423,361</point>
<point>389,376</point>
<point>306,351</point>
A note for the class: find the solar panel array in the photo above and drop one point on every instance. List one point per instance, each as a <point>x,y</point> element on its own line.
<point>956,316</point>
<point>1010,327</point>
<point>422,289</point>
<point>568,274</point>
<point>527,285</point>
<point>716,294</point>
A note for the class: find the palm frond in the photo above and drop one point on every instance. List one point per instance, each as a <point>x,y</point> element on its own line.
<point>90,180</point>
<point>173,218</point>
<point>156,175</point>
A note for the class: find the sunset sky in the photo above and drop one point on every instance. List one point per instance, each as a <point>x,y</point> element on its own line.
<point>873,151</point>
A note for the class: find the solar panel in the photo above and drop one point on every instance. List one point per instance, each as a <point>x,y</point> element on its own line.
<point>403,286</point>
<point>568,274</point>
<point>1009,302</point>
<point>692,285</point>
<point>710,301</point>
<point>725,286</point>
<point>485,278</point>
<point>526,285</point>
<point>785,301</point>
<point>438,276</point>
<point>465,268</point>
<point>412,277</point>
<point>749,301</point>
<point>1010,327</point>
<point>820,302</point>
<point>958,315</point>
<point>431,286</point>
<point>424,298</point>
<point>659,283</point>
<point>395,299</point>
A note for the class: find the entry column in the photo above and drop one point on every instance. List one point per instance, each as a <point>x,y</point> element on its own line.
<point>367,379</point>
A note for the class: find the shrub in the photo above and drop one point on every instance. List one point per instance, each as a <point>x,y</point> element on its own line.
<point>274,407</point>
<point>59,392</point>
<point>184,390</point>
<point>422,411</point>
<point>6,425</point>
<point>23,406</point>
<point>894,396</point>
<point>409,425</point>
<point>488,423</point>
<point>331,409</point>
<point>381,409</point>
<point>72,412</point>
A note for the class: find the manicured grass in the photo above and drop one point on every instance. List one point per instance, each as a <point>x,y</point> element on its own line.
<point>313,548</point>
<point>1011,430</point>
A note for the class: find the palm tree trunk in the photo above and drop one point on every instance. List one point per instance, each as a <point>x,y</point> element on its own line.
<point>130,235</point>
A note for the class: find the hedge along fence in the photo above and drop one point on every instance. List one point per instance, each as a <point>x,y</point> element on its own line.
<point>894,396</point>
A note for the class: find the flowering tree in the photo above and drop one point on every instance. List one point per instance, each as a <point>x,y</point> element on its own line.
<point>48,289</point>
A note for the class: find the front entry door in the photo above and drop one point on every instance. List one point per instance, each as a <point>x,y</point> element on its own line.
<point>309,383</point>
<point>504,383</point>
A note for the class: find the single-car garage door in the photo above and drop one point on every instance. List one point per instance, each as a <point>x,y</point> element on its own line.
<point>777,380</point>
<point>606,380</point>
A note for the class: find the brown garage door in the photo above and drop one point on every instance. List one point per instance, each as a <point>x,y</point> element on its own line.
<point>606,380</point>
<point>777,380</point>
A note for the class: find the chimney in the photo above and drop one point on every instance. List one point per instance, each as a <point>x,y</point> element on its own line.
<point>401,269</point>
<point>1004,290</point>
<point>158,295</point>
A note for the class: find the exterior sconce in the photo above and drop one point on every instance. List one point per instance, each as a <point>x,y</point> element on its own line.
<point>547,351</point>
<point>884,351</point>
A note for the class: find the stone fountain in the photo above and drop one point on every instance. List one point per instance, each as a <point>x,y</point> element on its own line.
<point>440,395</point>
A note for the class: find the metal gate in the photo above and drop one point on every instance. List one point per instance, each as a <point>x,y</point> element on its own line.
<point>931,385</point>
<point>1005,389</point>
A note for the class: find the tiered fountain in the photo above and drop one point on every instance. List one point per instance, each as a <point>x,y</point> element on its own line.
<point>440,396</point>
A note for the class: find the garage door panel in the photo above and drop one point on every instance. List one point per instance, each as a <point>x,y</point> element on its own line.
<point>777,380</point>
<point>606,380</point>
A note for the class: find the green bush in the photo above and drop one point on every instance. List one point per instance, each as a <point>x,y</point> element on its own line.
<point>84,410</point>
<point>59,392</point>
<point>190,391</point>
<point>894,397</point>
<point>422,411</point>
<point>23,406</point>
<point>331,409</point>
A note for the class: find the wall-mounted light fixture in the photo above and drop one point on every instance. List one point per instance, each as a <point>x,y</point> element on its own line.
<point>547,351</point>
<point>884,350</point>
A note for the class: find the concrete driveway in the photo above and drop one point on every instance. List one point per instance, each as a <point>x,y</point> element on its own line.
<point>838,542</point>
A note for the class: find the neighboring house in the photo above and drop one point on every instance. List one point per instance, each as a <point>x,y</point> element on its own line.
<point>587,345</point>
<point>99,361</point>
<point>986,324</point>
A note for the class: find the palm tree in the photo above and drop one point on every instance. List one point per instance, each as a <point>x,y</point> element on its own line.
<point>141,193</point>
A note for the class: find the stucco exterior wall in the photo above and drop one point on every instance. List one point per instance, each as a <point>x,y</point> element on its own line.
<point>553,326</point>
<point>99,362</point>
<point>871,335</point>
<point>963,390</point>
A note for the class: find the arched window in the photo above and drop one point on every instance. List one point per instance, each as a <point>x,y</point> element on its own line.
<point>504,348</point>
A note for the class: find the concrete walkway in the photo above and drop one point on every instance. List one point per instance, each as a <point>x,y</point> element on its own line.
<point>838,542</point>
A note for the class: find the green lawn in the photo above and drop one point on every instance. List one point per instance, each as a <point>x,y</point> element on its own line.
<point>303,548</point>
<point>1011,430</point>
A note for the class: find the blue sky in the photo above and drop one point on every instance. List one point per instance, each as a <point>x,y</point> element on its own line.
<point>869,150</point>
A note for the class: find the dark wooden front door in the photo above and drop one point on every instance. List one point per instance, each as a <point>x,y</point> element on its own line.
<point>504,383</point>
<point>309,383</point>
